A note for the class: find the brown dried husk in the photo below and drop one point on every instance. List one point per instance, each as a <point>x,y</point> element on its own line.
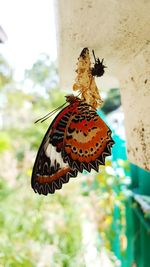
<point>85,81</point>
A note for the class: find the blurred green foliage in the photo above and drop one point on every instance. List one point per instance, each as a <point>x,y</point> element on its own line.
<point>43,73</point>
<point>5,142</point>
<point>36,231</point>
<point>6,72</point>
<point>112,102</point>
<point>108,191</point>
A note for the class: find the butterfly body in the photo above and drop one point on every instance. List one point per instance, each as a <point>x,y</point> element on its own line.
<point>77,139</point>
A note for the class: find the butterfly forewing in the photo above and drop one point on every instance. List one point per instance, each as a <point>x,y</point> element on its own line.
<point>50,171</point>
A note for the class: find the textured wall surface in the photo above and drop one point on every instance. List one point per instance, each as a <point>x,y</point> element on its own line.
<point>118,31</point>
<point>135,92</point>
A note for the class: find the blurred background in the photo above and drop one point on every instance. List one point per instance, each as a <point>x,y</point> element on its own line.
<point>85,223</point>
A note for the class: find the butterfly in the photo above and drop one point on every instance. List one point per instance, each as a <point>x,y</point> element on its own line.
<point>77,139</point>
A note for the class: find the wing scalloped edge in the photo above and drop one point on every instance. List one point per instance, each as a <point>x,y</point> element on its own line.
<point>55,185</point>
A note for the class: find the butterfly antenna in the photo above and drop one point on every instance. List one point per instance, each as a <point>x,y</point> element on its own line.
<point>48,115</point>
<point>94,55</point>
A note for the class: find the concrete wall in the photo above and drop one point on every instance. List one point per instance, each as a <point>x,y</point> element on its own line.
<point>119,32</point>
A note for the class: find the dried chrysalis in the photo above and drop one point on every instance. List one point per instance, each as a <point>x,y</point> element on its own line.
<point>85,80</point>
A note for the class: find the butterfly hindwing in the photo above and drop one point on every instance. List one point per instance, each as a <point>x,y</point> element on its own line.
<point>88,140</point>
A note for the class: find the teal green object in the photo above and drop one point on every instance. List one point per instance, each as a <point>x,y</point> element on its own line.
<point>138,236</point>
<point>138,251</point>
<point>140,180</point>
<point>118,152</point>
<point>134,178</point>
<point>119,149</point>
<point>144,182</point>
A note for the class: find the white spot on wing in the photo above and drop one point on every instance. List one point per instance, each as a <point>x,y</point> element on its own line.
<point>51,153</point>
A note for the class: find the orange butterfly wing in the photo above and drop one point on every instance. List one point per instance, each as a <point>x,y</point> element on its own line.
<point>87,141</point>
